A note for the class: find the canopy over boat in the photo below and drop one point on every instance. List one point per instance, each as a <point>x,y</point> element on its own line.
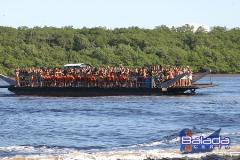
<point>77,65</point>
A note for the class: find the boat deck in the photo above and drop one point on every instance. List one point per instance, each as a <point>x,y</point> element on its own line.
<point>94,91</point>
<point>204,85</point>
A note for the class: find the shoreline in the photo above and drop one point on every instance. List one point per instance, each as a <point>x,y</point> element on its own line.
<point>156,154</point>
<point>129,156</point>
<point>222,75</point>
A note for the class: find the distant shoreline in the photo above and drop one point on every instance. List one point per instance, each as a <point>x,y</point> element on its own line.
<point>208,157</point>
<point>224,75</point>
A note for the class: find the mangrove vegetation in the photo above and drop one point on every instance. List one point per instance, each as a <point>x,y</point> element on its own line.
<point>23,47</point>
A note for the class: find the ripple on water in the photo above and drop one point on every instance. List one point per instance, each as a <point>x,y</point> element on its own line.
<point>105,123</point>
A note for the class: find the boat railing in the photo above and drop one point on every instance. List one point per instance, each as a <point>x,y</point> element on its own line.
<point>151,82</point>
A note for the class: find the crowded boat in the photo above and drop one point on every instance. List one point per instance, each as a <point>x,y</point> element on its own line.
<point>103,77</point>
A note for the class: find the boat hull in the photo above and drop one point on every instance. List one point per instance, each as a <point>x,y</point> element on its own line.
<point>94,91</point>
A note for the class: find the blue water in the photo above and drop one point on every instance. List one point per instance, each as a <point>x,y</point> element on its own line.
<point>111,123</point>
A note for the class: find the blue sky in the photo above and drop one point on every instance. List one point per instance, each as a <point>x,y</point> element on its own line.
<point>119,13</point>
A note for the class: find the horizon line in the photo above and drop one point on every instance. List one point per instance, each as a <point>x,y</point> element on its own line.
<point>195,26</point>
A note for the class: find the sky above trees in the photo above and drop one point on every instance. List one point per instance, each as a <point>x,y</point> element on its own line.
<point>119,13</point>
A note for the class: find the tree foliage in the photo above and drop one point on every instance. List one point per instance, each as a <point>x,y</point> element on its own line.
<point>218,49</point>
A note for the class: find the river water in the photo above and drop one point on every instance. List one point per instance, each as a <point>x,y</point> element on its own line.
<point>54,126</point>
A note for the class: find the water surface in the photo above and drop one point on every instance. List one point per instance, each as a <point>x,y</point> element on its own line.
<point>53,125</point>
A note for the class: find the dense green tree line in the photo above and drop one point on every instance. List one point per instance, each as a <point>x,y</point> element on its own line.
<point>218,49</point>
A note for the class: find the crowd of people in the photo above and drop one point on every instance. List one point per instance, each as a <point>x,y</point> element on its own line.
<point>103,77</point>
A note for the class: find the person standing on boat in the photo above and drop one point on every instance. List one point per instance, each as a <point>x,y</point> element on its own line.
<point>17,77</point>
<point>189,79</point>
<point>182,80</point>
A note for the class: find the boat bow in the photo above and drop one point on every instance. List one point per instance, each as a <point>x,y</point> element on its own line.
<point>7,79</point>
